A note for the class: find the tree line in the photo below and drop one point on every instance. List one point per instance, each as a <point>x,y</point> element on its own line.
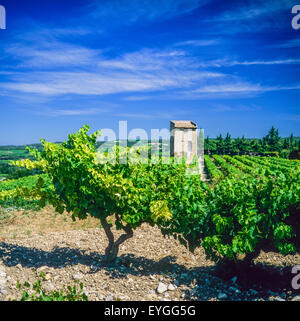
<point>269,145</point>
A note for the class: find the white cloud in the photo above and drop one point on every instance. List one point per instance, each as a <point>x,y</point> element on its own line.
<point>230,63</point>
<point>255,9</point>
<point>238,88</point>
<point>150,60</point>
<point>292,43</point>
<point>198,43</point>
<point>252,16</point>
<point>52,54</point>
<point>265,62</point>
<point>129,11</point>
<point>141,71</point>
<point>138,98</point>
<point>142,115</point>
<point>220,108</point>
<point>57,68</point>
<point>84,83</point>
<point>70,112</point>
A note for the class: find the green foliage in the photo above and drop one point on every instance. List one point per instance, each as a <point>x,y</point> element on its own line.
<point>9,154</point>
<point>214,173</point>
<point>12,195</point>
<point>270,145</point>
<point>35,292</point>
<point>230,169</point>
<point>253,203</point>
<point>242,167</point>
<point>250,214</point>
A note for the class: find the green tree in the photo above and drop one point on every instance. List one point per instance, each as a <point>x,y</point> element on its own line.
<point>272,140</point>
<point>292,142</point>
<point>227,145</point>
<point>209,146</point>
<point>242,146</point>
<point>220,145</point>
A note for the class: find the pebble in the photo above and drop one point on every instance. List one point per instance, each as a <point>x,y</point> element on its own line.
<point>64,270</point>
<point>78,276</point>
<point>109,298</point>
<point>42,269</point>
<point>161,288</point>
<point>49,286</point>
<point>48,276</point>
<point>171,287</point>
<point>2,280</point>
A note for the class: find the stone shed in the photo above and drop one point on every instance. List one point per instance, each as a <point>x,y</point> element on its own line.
<point>183,139</point>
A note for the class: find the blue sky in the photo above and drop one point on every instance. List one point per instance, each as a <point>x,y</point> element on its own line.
<point>227,65</point>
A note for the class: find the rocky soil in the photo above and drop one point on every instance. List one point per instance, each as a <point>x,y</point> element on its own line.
<point>149,267</point>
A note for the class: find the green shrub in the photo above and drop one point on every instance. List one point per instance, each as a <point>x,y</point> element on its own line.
<point>35,292</point>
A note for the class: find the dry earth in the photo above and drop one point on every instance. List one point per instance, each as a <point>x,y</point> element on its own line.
<point>147,264</point>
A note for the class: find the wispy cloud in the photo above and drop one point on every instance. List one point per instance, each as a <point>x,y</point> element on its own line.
<point>138,98</point>
<point>149,60</point>
<point>292,43</point>
<point>127,12</point>
<point>141,71</point>
<point>255,9</point>
<point>251,16</point>
<point>231,63</point>
<point>143,115</point>
<point>101,83</point>
<point>198,43</point>
<point>52,54</point>
<point>220,108</point>
<point>55,68</point>
<point>69,112</point>
<point>265,62</point>
<point>237,88</point>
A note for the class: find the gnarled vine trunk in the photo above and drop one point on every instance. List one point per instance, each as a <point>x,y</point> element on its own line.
<point>112,250</point>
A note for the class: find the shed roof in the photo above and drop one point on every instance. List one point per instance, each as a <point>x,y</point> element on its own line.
<point>183,124</point>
